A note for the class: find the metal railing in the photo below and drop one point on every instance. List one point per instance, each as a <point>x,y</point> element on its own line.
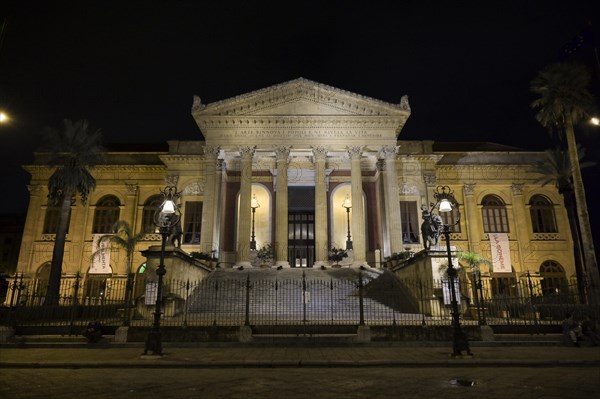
<point>367,299</point>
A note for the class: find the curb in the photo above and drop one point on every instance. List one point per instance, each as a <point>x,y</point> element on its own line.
<point>164,363</point>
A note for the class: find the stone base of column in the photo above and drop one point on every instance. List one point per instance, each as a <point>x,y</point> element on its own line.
<point>245,264</point>
<point>321,263</point>
<point>358,264</point>
<point>283,264</point>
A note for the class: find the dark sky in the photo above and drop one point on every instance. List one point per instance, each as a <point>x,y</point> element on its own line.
<point>132,67</point>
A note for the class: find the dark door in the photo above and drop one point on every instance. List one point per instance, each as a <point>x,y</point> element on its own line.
<point>301,240</point>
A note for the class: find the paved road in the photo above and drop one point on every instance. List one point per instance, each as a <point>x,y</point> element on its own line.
<point>371,371</point>
<point>292,383</point>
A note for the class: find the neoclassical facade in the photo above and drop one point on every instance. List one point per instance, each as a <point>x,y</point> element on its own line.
<point>296,151</point>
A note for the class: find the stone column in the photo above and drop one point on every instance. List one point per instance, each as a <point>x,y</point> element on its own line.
<point>31,229</point>
<point>282,154</point>
<point>245,227</point>
<point>391,197</point>
<point>320,160</point>
<point>208,206</point>
<point>218,205</point>
<point>357,213</point>
<point>472,222</point>
<point>130,213</point>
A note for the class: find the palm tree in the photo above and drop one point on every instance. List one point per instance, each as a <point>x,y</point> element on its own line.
<point>555,168</point>
<point>564,100</point>
<point>123,238</point>
<point>473,262</point>
<point>73,151</point>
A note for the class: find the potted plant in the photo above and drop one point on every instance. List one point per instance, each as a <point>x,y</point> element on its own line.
<point>266,254</point>
<point>336,255</point>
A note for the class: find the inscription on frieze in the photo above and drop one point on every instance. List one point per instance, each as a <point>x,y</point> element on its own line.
<point>301,133</point>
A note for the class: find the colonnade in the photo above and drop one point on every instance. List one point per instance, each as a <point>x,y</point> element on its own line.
<point>282,161</point>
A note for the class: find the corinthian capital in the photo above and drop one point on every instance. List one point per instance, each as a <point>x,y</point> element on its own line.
<point>282,152</point>
<point>172,180</point>
<point>319,152</point>
<point>355,152</point>
<point>389,152</point>
<point>132,188</point>
<point>430,179</point>
<point>247,152</point>
<point>517,188</point>
<point>211,152</point>
<point>469,188</point>
<point>34,189</point>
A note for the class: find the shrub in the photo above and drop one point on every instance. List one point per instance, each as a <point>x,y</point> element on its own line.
<point>337,254</point>
<point>266,254</point>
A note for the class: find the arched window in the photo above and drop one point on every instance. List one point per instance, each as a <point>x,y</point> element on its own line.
<point>504,285</point>
<point>192,222</point>
<point>52,220</point>
<point>495,218</point>
<point>106,215</point>
<point>542,215</point>
<point>150,207</point>
<point>451,218</point>
<point>41,284</point>
<point>141,279</point>
<point>96,289</point>
<point>553,278</point>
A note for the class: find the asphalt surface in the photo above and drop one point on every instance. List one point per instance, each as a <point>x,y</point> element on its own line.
<point>106,371</point>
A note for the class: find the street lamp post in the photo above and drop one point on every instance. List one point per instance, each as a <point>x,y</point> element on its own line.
<point>348,205</point>
<point>254,204</point>
<point>165,217</point>
<point>445,202</point>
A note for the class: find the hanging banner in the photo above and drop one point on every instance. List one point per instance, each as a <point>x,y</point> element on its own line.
<point>151,292</point>
<point>448,294</point>
<point>100,259</point>
<point>500,249</point>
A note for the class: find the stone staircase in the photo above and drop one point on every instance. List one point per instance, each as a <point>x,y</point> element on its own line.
<point>297,296</point>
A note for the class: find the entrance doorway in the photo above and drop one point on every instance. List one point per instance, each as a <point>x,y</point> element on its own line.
<point>301,226</point>
<point>301,240</point>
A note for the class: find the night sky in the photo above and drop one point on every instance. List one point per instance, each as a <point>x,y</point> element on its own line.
<point>131,67</point>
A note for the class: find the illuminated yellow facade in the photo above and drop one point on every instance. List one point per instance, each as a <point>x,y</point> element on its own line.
<point>300,149</point>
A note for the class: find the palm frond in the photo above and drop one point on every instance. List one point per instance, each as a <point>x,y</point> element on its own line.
<point>562,90</point>
<point>73,151</point>
<point>555,167</point>
<point>123,238</point>
<point>473,260</point>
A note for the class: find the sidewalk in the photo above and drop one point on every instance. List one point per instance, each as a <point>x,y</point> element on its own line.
<point>235,356</point>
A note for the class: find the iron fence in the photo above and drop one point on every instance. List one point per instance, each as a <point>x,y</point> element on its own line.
<point>369,299</point>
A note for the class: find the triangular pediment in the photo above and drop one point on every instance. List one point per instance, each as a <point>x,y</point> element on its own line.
<point>300,97</point>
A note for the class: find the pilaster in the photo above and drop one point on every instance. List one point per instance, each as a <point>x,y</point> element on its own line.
<point>208,207</point>
<point>218,205</point>
<point>472,222</point>
<point>392,200</point>
<point>520,216</point>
